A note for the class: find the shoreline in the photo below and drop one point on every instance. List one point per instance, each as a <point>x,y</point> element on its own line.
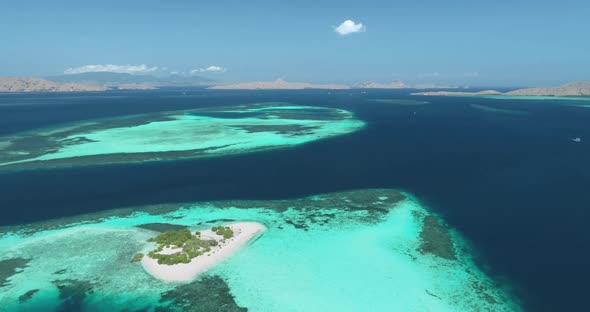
<point>244,232</point>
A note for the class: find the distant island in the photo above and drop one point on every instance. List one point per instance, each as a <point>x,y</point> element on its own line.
<point>26,84</point>
<point>433,86</point>
<point>278,85</point>
<point>103,81</point>
<point>99,81</point>
<point>136,86</point>
<point>377,85</point>
<point>458,93</point>
<point>182,256</point>
<point>581,88</point>
<point>125,81</point>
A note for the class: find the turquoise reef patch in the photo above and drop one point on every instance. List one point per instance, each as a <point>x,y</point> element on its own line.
<point>318,254</point>
<point>175,135</point>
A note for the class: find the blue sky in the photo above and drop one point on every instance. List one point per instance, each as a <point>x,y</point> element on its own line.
<point>518,42</point>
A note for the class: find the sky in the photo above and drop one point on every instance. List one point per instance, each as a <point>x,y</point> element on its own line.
<point>452,42</point>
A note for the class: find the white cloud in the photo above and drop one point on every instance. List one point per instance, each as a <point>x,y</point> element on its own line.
<point>349,27</point>
<point>212,68</point>
<point>129,69</point>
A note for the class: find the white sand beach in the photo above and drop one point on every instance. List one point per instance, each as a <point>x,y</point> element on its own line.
<point>243,233</point>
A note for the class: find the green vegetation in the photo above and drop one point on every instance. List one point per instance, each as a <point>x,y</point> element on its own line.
<point>172,238</point>
<point>224,231</point>
<point>137,257</point>
<point>195,247</point>
<point>191,246</point>
<point>171,259</point>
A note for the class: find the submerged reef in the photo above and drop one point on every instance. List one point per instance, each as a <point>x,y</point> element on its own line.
<point>376,249</point>
<point>174,135</point>
<point>72,293</point>
<point>505,111</point>
<point>161,227</point>
<point>435,239</point>
<point>210,294</point>
<point>10,267</point>
<point>28,295</point>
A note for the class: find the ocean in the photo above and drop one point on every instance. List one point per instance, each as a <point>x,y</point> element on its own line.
<point>508,175</point>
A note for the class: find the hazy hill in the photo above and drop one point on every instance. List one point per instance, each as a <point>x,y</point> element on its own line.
<point>108,79</point>
<point>377,85</point>
<point>277,85</point>
<point>28,84</point>
<point>581,88</point>
<point>452,93</point>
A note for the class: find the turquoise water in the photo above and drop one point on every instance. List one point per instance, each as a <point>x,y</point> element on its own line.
<point>352,251</point>
<point>175,135</point>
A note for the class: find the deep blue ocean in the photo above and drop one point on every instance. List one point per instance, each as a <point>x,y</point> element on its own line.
<point>516,186</point>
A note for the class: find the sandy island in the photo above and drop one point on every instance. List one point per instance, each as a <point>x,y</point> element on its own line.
<point>243,233</point>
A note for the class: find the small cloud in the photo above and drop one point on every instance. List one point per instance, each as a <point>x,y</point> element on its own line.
<point>217,69</point>
<point>128,69</point>
<point>349,27</point>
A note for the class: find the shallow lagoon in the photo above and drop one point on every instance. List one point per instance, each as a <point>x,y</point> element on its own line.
<point>175,135</point>
<point>374,249</point>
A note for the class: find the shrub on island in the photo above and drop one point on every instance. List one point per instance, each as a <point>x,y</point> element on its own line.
<point>137,257</point>
<point>171,259</point>
<point>176,238</point>
<point>224,231</point>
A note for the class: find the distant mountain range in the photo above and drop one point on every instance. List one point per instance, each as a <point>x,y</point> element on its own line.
<point>277,85</point>
<point>459,93</point>
<point>129,81</point>
<point>581,88</point>
<point>377,85</point>
<point>101,81</point>
<point>27,84</point>
<point>285,85</point>
<point>98,81</point>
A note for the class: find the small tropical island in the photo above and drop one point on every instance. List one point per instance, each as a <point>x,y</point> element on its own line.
<point>182,255</point>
